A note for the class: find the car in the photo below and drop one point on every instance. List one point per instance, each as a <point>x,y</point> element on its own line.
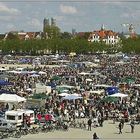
<point>5,126</point>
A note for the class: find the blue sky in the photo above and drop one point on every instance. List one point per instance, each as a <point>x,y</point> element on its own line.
<point>82,15</point>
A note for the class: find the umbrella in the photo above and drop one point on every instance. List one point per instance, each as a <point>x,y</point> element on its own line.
<point>110,99</point>
<point>11,98</point>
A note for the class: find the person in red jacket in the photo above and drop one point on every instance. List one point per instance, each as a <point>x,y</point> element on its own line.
<point>39,117</point>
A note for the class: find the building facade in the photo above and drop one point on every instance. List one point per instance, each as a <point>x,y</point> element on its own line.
<point>107,36</point>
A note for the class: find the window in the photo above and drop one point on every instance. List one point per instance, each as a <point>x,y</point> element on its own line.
<point>19,117</point>
<point>4,124</point>
<point>9,117</point>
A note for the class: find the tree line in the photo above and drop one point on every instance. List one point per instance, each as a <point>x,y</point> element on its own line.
<point>67,45</point>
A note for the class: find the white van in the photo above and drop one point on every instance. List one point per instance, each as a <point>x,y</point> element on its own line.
<point>16,116</point>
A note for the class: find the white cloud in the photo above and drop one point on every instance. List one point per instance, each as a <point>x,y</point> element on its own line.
<point>5,9</point>
<point>68,9</point>
<point>35,23</point>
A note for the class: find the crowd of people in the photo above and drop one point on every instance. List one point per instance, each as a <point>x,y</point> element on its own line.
<point>81,78</point>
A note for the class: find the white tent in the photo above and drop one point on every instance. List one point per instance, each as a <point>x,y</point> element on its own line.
<point>75,94</point>
<point>72,97</point>
<point>63,94</point>
<point>65,86</point>
<point>89,80</point>
<point>34,75</point>
<point>136,85</point>
<point>3,69</point>
<point>102,86</point>
<point>42,72</point>
<point>11,98</point>
<point>28,89</point>
<point>84,73</point>
<point>97,91</point>
<point>119,95</point>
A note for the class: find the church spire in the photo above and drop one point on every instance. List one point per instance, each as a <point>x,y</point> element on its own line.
<point>102,27</point>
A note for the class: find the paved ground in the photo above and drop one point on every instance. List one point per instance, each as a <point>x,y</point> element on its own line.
<point>109,131</point>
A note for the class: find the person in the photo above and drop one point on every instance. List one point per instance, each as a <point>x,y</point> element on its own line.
<point>39,117</point>
<point>89,124</point>
<point>95,136</point>
<point>122,121</point>
<point>7,106</point>
<point>120,128</point>
<point>132,124</point>
<point>13,108</point>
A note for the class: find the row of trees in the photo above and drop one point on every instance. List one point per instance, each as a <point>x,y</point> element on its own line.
<point>34,47</point>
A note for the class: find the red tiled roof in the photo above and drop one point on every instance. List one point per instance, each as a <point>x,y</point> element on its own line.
<point>104,33</point>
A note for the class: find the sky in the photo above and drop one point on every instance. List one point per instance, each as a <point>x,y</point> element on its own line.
<point>82,15</point>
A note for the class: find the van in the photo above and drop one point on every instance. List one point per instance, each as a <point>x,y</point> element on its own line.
<point>16,116</point>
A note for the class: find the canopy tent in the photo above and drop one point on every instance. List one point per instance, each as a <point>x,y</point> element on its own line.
<point>5,83</point>
<point>28,89</point>
<point>112,90</point>
<point>39,96</point>
<point>3,69</point>
<point>11,98</point>
<point>102,86</point>
<point>72,54</point>
<point>72,97</point>
<point>120,63</point>
<point>34,75</point>
<point>96,91</point>
<point>63,94</point>
<point>75,94</point>
<point>42,72</point>
<point>14,72</point>
<point>110,99</point>
<point>5,91</point>
<point>136,85</point>
<point>95,73</point>
<point>65,87</point>
<point>24,60</point>
<point>84,73</point>
<point>129,80</point>
<point>89,80</point>
<point>52,85</point>
<point>119,95</point>
<point>32,72</point>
